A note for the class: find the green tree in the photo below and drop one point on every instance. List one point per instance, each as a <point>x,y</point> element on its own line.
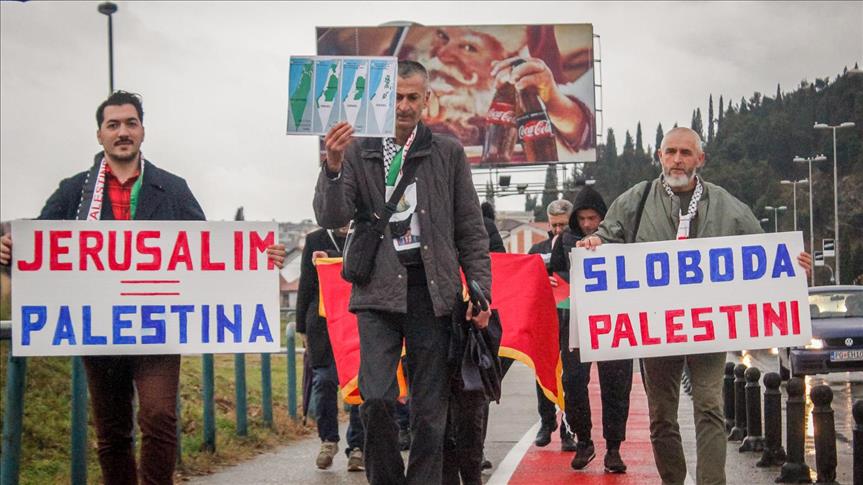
<point>628,146</point>
<point>609,153</point>
<point>659,136</point>
<point>639,143</point>
<point>710,127</point>
<point>549,193</point>
<point>696,124</point>
<point>721,111</point>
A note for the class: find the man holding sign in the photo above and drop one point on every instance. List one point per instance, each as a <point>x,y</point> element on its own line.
<point>122,185</point>
<point>679,205</point>
<point>436,229</point>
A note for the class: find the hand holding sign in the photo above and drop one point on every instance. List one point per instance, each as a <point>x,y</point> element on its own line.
<point>336,141</point>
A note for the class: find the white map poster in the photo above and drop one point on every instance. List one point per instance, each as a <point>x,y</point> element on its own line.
<point>325,90</point>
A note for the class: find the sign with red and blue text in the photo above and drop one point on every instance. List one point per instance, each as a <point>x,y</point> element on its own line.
<point>143,287</point>
<point>689,296</point>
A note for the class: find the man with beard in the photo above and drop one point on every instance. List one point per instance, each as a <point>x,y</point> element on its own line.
<point>680,205</point>
<point>415,283</point>
<point>132,188</point>
<point>467,65</point>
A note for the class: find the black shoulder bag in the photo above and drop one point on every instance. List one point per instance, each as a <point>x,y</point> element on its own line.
<point>366,234</point>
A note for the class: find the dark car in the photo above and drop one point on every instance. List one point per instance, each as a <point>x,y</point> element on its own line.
<point>837,334</point>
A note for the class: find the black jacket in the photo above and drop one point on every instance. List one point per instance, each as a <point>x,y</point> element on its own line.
<point>448,211</point>
<point>308,321</point>
<point>164,197</point>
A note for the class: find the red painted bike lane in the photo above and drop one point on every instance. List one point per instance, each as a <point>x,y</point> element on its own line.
<point>550,466</point>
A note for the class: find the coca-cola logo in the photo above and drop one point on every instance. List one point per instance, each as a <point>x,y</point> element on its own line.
<point>501,114</point>
<point>535,129</point>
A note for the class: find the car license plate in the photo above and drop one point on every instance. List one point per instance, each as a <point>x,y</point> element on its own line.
<point>846,355</point>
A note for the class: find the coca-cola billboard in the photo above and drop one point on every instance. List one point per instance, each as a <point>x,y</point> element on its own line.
<point>469,66</point>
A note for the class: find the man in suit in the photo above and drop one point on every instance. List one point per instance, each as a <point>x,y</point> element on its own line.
<point>122,185</point>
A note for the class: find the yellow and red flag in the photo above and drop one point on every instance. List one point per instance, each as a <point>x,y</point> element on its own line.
<point>521,294</point>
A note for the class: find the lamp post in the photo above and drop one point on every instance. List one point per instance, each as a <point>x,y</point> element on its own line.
<point>793,184</point>
<point>809,160</point>
<point>108,8</point>
<point>763,220</point>
<point>775,215</point>
<point>824,126</point>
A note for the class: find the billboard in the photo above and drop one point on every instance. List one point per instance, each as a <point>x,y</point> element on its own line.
<point>512,94</point>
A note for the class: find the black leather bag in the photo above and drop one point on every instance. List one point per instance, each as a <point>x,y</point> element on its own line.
<point>367,232</point>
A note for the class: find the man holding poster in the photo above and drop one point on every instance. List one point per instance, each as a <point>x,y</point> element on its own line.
<point>122,185</point>
<point>415,283</point>
<point>680,205</point>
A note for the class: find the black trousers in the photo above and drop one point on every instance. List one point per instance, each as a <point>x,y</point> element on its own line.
<point>426,339</point>
<point>463,444</point>
<point>615,383</point>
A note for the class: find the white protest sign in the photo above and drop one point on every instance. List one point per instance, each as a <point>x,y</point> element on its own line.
<point>689,297</point>
<point>143,287</point>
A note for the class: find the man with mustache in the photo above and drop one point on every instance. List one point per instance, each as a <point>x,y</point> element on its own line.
<point>680,205</point>
<point>134,189</point>
<point>415,283</point>
<point>467,65</point>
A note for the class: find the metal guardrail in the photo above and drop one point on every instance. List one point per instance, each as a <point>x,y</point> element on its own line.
<point>10,456</point>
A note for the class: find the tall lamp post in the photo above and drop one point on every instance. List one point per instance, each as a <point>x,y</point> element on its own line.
<point>809,160</point>
<point>776,211</point>
<point>793,184</point>
<point>824,126</point>
<point>108,8</point>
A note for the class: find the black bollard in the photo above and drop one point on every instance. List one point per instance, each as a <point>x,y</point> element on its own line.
<point>774,454</point>
<point>857,411</point>
<point>753,441</point>
<point>825,434</point>
<point>795,469</point>
<point>738,432</point>
<point>728,396</point>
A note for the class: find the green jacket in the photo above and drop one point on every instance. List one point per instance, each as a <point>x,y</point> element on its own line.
<point>719,214</point>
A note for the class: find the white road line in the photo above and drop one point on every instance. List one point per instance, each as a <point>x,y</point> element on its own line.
<point>507,467</point>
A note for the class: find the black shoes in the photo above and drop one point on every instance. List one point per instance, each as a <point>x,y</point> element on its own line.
<point>584,454</point>
<point>543,436</point>
<point>614,463</point>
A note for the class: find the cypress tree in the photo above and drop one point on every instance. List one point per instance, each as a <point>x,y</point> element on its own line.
<point>628,145</point>
<point>639,144</point>
<point>610,152</point>
<point>710,127</point>
<point>696,124</point>
<point>659,136</point>
<point>721,111</point>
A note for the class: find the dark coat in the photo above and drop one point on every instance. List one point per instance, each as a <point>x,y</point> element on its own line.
<point>448,210</point>
<point>309,322</point>
<point>163,197</point>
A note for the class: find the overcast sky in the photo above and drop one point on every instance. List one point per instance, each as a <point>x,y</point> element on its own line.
<point>214,80</point>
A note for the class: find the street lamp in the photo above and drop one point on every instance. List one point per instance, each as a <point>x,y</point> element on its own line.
<point>109,8</point>
<point>824,126</point>
<point>776,211</point>
<point>809,160</point>
<point>763,220</point>
<point>793,184</point>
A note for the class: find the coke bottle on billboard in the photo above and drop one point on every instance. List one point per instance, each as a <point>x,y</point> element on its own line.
<point>534,128</point>
<point>500,129</point>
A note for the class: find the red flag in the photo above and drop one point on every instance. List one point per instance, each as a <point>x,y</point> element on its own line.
<point>521,294</point>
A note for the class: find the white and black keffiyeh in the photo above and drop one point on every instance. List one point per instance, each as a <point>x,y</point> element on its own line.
<point>683,227</point>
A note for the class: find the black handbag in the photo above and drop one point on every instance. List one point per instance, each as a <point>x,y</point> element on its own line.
<point>367,232</point>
